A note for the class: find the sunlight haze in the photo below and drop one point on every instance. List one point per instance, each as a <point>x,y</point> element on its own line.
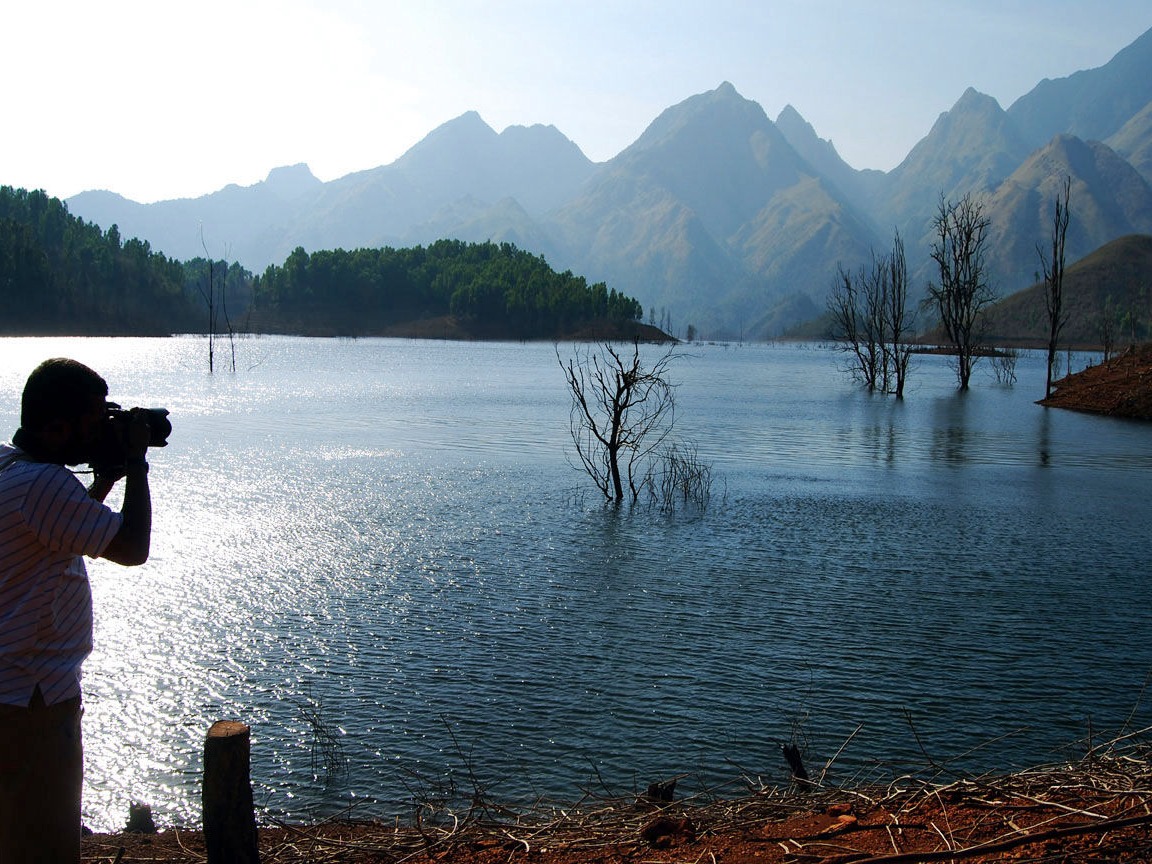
<point>165,100</point>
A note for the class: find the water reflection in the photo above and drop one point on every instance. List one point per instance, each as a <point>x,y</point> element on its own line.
<point>950,432</point>
<point>882,435</point>
<point>1044,437</point>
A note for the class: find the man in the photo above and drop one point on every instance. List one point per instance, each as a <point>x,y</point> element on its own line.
<point>48,521</point>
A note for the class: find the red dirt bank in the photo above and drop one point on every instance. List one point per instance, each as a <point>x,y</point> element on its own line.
<point>1122,387</point>
<point>1096,810</point>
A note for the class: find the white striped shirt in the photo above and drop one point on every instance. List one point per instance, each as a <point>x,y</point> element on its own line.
<point>47,522</point>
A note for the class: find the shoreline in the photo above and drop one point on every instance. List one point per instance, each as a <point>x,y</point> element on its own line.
<point>1120,387</point>
<point>1096,809</point>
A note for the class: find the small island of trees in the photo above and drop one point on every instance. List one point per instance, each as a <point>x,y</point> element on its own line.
<point>490,290</point>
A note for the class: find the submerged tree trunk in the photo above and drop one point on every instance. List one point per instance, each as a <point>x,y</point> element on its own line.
<point>1053,264</point>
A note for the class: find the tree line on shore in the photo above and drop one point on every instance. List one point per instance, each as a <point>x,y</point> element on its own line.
<point>60,275</point>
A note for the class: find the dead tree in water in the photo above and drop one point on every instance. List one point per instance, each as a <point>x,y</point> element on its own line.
<point>1052,263</point>
<point>871,321</point>
<point>621,412</point>
<point>963,291</point>
<point>209,295</point>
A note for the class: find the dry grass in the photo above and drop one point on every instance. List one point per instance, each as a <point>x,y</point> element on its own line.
<point>1098,808</point>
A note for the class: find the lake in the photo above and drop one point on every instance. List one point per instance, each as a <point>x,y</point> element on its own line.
<point>379,555</point>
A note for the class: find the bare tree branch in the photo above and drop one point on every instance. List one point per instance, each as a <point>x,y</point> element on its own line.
<point>963,291</point>
<point>621,412</point>
<point>871,321</point>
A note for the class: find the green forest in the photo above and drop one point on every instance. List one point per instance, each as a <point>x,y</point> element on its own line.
<point>496,289</point>
<point>60,275</point>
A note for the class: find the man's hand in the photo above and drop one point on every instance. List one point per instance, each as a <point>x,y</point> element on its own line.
<point>132,442</point>
<point>139,434</point>
<point>131,544</point>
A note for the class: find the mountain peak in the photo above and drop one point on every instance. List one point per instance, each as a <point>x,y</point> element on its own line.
<point>466,134</point>
<point>817,152</point>
<point>790,114</point>
<point>1068,154</point>
<point>535,132</point>
<point>522,142</point>
<point>792,122</point>
<point>1092,104</point>
<point>722,111</point>
<point>971,148</point>
<point>299,170</point>
<point>470,123</point>
<point>468,118</point>
<point>467,129</point>
<point>288,181</point>
<point>974,100</point>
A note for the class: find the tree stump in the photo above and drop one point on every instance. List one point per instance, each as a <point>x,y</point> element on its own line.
<point>229,819</point>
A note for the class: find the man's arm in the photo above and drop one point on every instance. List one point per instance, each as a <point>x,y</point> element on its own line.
<point>131,544</point>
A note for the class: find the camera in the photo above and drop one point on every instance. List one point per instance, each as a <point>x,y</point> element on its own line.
<point>111,449</point>
<point>158,423</point>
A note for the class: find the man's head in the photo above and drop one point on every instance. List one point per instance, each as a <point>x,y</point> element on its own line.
<point>62,411</point>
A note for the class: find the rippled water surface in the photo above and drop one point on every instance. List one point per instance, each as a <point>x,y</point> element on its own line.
<point>377,554</point>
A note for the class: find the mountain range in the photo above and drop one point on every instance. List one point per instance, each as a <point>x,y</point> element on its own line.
<point>716,216</point>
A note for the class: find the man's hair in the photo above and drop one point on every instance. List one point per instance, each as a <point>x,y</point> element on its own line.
<point>59,389</point>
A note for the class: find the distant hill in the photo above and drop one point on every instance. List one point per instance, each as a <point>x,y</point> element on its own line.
<point>713,204</point>
<point>455,173</point>
<point>1108,199</point>
<point>1091,104</point>
<point>716,216</point>
<point>1114,280</point>
<point>1134,141</point>
<point>970,148</point>
<point>243,223</point>
<point>821,155</point>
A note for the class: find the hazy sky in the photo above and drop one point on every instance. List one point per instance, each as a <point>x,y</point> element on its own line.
<point>169,98</point>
